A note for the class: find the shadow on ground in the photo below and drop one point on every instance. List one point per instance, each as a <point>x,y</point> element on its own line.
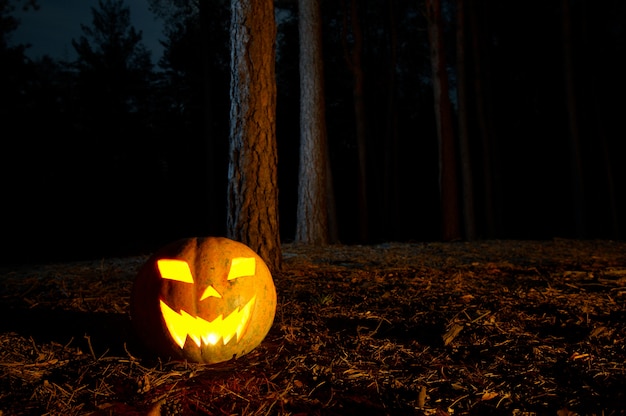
<point>93,332</point>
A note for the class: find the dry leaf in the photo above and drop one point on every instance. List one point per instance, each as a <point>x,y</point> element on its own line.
<point>156,409</point>
<point>489,395</point>
<point>449,336</point>
<point>421,398</point>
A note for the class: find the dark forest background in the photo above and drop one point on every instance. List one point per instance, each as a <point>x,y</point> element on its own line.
<point>112,155</point>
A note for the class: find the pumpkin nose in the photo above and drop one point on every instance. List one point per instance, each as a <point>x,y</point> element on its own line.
<point>210,292</point>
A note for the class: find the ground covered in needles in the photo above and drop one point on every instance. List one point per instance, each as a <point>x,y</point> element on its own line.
<point>481,328</point>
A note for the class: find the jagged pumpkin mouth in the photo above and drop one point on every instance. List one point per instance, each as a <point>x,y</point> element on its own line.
<point>181,325</point>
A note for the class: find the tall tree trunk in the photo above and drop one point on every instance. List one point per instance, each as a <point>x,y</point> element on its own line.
<point>390,203</point>
<point>482,106</point>
<point>464,135</point>
<point>443,112</point>
<point>313,196</point>
<point>252,171</point>
<point>576,165</point>
<point>600,119</point>
<point>353,58</point>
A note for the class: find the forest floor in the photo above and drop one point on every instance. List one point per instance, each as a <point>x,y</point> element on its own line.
<point>482,328</point>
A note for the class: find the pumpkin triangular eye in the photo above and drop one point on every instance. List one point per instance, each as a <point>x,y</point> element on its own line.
<point>173,269</point>
<point>241,266</point>
<point>210,292</point>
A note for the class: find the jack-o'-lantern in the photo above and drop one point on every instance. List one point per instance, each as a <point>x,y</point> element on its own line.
<point>203,299</point>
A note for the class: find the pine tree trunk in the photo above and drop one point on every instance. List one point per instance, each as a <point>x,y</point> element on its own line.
<point>483,110</point>
<point>464,135</point>
<point>390,201</point>
<point>443,113</point>
<point>353,57</point>
<point>252,171</point>
<point>576,165</point>
<point>313,197</point>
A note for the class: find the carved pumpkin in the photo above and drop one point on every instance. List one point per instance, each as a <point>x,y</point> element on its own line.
<point>203,299</point>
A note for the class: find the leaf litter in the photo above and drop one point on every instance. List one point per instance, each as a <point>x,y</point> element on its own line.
<point>488,327</point>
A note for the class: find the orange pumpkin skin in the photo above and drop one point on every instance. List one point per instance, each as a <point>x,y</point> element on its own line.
<point>215,296</point>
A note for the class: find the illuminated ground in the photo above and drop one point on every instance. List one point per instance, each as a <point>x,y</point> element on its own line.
<point>484,328</point>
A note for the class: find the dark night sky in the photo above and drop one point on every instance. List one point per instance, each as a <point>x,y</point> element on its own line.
<point>50,29</point>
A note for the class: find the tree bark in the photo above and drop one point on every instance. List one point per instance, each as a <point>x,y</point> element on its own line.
<point>353,57</point>
<point>390,168</point>
<point>252,171</point>
<point>484,116</point>
<point>312,226</point>
<point>464,134</point>
<point>576,165</point>
<point>445,132</point>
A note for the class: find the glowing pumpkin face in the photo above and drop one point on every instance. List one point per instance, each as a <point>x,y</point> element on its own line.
<point>203,299</point>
